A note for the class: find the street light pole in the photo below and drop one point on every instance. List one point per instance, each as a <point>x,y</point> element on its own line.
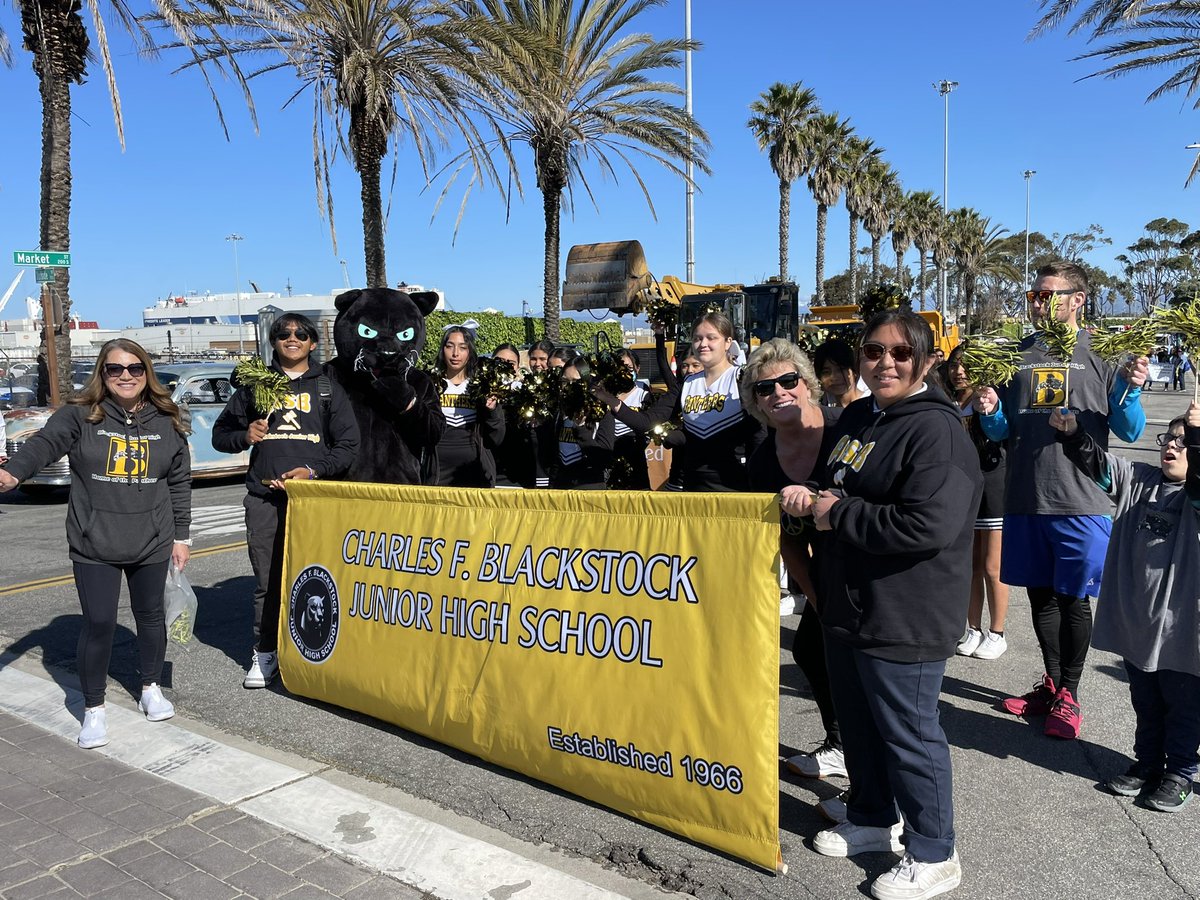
<point>1029,173</point>
<point>690,208</point>
<point>944,88</point>
<point>234,238</point>
<point>345,274</point>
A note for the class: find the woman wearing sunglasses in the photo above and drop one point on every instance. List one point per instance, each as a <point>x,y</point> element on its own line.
<point>780,389</point>
<point>902,486</point>
<point>129,513</point>
<point>720,433</point>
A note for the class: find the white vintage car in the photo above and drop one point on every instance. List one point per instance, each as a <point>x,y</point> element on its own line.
<point>201,389</point>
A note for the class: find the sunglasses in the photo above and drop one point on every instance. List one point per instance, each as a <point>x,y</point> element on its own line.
<point>874,352</point>
<point>300,334</point>
<point>1170,440</point>
<point>1044,296</point>
<point>114,370</point>
<point>766,387</point>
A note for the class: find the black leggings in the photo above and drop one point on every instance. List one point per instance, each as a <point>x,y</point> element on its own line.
<point>1063,626</point>
<point>808,649</point>
<point>99,587</point>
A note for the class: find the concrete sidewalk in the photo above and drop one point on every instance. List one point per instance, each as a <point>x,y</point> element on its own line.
<point>165,811</point>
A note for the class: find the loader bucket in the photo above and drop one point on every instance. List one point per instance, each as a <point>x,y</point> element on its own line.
<point>609,276</point>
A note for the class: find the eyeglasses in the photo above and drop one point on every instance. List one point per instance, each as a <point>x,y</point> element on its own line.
<point>299,334</point>
<point>114,370</point>
<point>766,387</point>
<point>1170,440</point>
<point>1044,296</point>
<point>874,352</point>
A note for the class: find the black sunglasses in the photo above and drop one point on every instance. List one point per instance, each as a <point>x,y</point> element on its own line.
<point>1167,440</point>
<point>114,370</point>
<point>1044,296</point>
<point>874,352</point>
<point>300,334</point>
<point>766,387</point>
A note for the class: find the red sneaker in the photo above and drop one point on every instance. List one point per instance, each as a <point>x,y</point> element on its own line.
<point>1065,718</point>
<point>1036,703</point>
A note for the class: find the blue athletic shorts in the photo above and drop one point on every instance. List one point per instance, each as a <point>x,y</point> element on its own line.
<point>1065,553</point>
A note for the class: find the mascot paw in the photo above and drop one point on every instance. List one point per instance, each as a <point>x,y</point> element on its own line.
<point>395,389</point>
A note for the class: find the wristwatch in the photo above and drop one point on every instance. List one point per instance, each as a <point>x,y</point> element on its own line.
<point>187,542</point>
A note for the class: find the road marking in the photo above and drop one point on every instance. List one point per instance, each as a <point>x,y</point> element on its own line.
<point>58,580</point>
<point>218,520</point>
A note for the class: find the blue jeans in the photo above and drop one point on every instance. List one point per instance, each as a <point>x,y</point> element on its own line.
<point>1167,707</point>
<point>895,749</point>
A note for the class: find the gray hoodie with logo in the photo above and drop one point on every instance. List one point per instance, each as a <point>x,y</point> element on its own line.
<point>131,481</point>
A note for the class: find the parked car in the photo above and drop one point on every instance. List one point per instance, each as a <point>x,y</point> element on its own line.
<point>201,389</point>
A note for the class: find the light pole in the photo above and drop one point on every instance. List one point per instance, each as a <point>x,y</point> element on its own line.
<point>345,274</point>
<point>690,209</point>
<point>1029,173</point>
<point>944,88</point>
<point>237,275</point>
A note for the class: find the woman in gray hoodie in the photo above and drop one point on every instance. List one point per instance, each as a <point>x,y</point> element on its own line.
<point>129,513</point>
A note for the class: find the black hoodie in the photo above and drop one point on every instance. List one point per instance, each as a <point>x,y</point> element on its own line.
<point>895,574</point>
<point>300,434</point>
<point>131,481</point>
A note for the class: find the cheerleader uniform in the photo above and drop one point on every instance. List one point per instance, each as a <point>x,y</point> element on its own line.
<point>585,454</point>
<point>629,448</point>
<point>465,450</point>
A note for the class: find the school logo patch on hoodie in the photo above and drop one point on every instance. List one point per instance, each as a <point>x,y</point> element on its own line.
<point>314,613</point>
<point>127,458</point>
<point>1048,387</point>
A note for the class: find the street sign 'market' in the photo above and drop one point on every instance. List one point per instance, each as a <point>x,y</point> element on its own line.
<point>41,258</point>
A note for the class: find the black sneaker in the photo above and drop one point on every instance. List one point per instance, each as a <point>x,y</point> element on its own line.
<point>1137,779</point>
<point>1171,795</point>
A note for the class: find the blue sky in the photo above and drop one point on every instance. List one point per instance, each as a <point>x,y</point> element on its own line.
<point>151,221</point>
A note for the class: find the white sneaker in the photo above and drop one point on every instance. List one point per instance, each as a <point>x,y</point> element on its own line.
<point>969,642</point>
<point>834,809</point>
<point>912,880</point>
<point>993,646</point>
<point>263,669</point>
<point>849,839</point>
<point>154,704</point>
<point>787,605</point>
<point>826,760</point>
<point>94,732</point>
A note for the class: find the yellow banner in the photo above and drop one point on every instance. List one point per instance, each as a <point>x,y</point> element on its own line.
<point>623,646</point>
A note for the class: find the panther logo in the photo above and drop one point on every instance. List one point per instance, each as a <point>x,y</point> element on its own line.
<point>314,614</point>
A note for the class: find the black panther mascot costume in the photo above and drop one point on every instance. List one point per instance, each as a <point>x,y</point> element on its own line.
<point>378,334</point>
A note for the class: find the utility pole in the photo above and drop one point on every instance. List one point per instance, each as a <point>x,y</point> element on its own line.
<point>944,88</point>
<point>237,275</point>
<point>691,171</point>
<point>1029,173</point>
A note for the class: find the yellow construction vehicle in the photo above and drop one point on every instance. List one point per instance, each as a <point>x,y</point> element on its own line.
<point>841,319</point>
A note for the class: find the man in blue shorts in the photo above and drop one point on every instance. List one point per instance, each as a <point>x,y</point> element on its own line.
<point>1057,522</point>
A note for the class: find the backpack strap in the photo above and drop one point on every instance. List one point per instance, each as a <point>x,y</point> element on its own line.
<point>325,390</point>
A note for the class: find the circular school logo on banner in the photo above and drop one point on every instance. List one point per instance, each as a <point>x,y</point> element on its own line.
<point>313,614</point>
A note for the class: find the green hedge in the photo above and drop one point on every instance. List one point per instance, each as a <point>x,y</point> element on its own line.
<point>497,328</point>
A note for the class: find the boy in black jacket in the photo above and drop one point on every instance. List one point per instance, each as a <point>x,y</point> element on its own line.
<point>314,435</point>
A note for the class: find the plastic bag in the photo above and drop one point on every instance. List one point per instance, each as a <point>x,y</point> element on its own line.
<point>179,606</point>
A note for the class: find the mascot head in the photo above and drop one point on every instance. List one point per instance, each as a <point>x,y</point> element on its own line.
<point>380,330</point>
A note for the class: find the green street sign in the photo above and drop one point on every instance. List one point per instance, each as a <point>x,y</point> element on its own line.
<point>41,258</point>
<point>44,276</point>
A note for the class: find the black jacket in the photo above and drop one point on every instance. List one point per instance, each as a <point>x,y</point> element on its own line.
<point>895,574</point>
<point>300,434</point>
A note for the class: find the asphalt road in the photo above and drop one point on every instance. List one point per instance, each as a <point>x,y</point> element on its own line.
<point>1031,820</point>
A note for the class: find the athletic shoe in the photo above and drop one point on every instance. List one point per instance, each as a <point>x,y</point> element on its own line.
<point>1036,703</point>
<point>1065,717</point>
<point>826,760</point>
<point>849,839</point>
<point>969,642</point>
<point>834,809</point>
<point>912,880</point>
<point>94,732</point>
<point>992,647</point>
<point>154,704</point>
<point>263,669</point>
<point>1171,795</point>
<point>1137,779</point>
<point>787,605</point>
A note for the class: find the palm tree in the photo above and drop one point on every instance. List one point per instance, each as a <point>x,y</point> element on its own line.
<point>856,160</point>
<point>57,36</point>
<point>978,251</point>
<point>380,72</point>
<point>825,139</point>
<point>925,212</point>
<point>902,226</point>
<point>883,194</point>
<point>780,115</point>
<point>566,80</point>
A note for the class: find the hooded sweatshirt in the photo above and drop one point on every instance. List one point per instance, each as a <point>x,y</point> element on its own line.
<point>131,481</point>
<point>895,571</point>
<point>299,434</point>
